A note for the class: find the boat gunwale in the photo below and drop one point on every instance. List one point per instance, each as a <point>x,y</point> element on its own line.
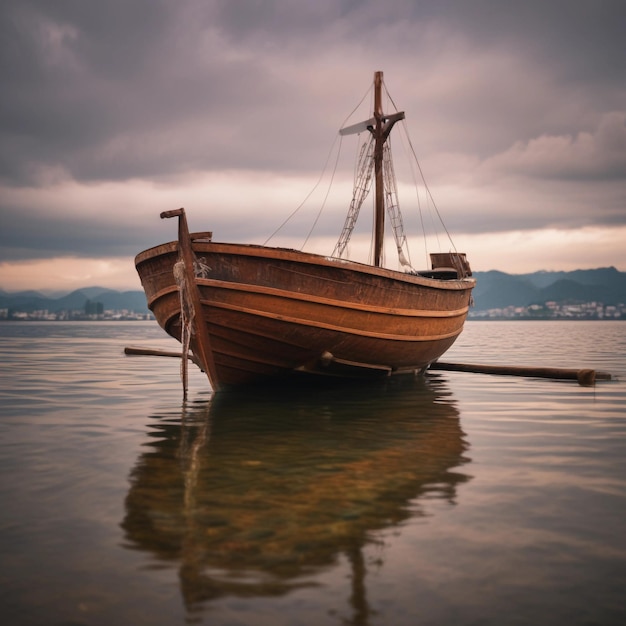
<point>308,258</point>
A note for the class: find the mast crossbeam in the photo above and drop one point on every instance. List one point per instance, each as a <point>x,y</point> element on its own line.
<point>375,157</point>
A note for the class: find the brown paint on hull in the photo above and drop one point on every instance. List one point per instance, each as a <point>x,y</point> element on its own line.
<point>270,312</point>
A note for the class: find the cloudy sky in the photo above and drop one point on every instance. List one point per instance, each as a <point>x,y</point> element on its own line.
<point>111,112</point>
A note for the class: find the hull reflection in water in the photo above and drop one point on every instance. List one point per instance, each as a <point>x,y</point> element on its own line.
<point>250,495</point>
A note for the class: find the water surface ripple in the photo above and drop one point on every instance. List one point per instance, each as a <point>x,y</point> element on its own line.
<point>453,499</point>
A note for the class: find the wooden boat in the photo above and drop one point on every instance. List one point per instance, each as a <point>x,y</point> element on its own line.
<point>251,313</point>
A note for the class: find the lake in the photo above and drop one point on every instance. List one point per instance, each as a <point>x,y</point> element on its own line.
<point>456,498</point>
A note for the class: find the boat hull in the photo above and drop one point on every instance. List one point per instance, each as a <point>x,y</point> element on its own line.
<point>271,313</point>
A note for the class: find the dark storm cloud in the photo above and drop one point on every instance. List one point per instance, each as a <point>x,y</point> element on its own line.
<point>67,68</point>
<point>118,90</point>
<point>42,234</point>
<point>514,98</point>
<point>582,39</point>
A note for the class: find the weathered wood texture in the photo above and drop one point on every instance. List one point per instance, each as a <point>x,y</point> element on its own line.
<point>269,312</point>
<point>585,377</point>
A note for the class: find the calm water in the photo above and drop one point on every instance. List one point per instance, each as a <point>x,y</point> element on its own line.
<point>458,499</point>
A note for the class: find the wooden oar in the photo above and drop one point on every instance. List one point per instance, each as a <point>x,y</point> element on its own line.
<point>583,376</point>
<point>130,351</point>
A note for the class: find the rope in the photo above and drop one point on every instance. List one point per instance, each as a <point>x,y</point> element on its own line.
<point>330,184</point>
<point>187,315</point>
<point>362,184</point>
<point>393,207</point>
<point>297,209</point>
<point>319,180</point>
<point>426,187</point>
<point>430,195</point>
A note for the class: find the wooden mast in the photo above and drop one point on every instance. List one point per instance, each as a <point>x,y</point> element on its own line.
<point>380,126</point>
<point>379,215</point>
<point>381,130</point>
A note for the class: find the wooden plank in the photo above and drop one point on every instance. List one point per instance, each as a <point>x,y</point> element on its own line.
<point>583,376</point>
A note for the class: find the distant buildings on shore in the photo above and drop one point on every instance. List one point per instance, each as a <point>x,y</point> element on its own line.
<point>77,315</point>
<point>554,311</point>
<point>549,310</point>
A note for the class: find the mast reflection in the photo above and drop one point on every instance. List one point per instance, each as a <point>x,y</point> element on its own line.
<point>253,494</point>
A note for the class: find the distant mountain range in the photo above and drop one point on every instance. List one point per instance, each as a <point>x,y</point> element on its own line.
<point>29,301</point>
<point>497,290</point>
<point>494,290</point>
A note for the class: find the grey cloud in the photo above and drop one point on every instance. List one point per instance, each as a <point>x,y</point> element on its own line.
<point>125,90</point>
<point>56,236</point>
<point>583,39</point>
<point>144,89</point>
<point>587,156</point>
<point>39,233</point>
<point>121,89</point>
